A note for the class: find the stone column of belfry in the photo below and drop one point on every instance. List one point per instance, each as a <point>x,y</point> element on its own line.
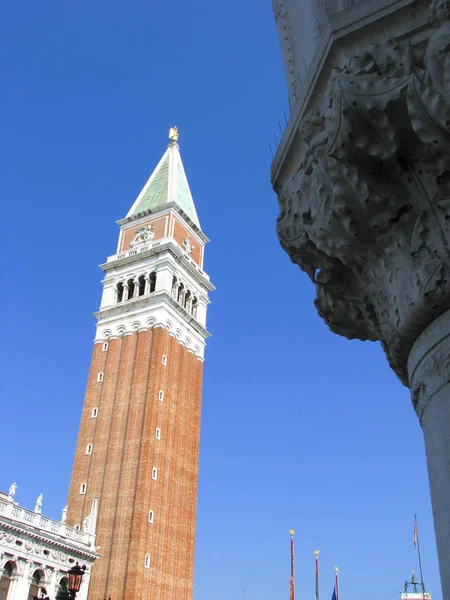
<point>138,446</point>
<point>362,175</point>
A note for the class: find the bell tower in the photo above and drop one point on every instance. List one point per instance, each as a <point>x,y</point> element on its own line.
<point>137,454</point>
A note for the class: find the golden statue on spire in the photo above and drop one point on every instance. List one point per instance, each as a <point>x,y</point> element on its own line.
<point>173,134</point>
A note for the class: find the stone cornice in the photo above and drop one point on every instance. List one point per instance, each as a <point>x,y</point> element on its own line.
<point>166,247</point>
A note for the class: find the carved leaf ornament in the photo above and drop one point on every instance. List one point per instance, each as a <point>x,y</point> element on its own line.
<point>367,214</point>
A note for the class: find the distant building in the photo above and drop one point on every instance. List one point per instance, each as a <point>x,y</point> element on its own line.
<point>138,444</point>
<point>36,551</point>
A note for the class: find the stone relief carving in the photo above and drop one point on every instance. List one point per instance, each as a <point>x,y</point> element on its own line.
<point>59,556</point>
<point>367,213</point>
<point>437,57</point>
<point>430,376</point>
<point>143,234</point>
<point>187,245</point>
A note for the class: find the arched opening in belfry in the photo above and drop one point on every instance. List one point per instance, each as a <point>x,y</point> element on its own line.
<point>141,284</point>
<point>187,300</point>
<point>152,282</point>
<point>119,289</point>
<point>194,307</point>
<point>34,585</point>
<point>130,286</point>
<point>181,291</point>
<point>5,581</point>
<point>174,287</point>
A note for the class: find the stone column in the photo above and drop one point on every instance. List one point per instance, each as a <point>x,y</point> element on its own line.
<point>52,585</point>
<point>147,284</point>
<point>429,378</point>
<point>83,593</point>
<point>189,303</point>
<point>364,193</point>
<point>136,287</point>
<point>13,585</point>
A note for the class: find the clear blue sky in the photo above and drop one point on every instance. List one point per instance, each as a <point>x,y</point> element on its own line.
<point>300,428</point>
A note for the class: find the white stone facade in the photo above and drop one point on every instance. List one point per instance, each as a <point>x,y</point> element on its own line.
<point>36,551</point>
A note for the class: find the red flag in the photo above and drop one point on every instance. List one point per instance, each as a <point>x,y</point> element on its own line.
<point>415,534</point>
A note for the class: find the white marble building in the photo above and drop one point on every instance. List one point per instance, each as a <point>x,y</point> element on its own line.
<point>36,551</point>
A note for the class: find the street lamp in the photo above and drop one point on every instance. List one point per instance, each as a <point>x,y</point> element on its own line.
<point>75,576</point>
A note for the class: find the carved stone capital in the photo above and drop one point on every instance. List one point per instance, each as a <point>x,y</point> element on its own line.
<point>367,211</point>
<point>429,364</point>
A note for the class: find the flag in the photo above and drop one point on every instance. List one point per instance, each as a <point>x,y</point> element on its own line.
<point>334,597</point>
<point>415,534</point>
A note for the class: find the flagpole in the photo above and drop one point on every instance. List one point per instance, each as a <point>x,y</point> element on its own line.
<point>316,552</point>
<point>416,532</point>
<point>336,570</point>
<point>292,583</point>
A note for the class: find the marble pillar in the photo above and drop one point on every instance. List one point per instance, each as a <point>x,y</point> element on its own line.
<point>429,380</point>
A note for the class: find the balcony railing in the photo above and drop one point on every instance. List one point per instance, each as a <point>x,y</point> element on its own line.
<point>27,517</point>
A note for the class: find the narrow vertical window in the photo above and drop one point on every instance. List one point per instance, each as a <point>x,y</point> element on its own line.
<point>105,346</point>
<point>147,561</point>
<point>158,433</point>
<point>99,377</point>
<point>89,449</point>
<point>155,473</point>
<point>161,395</point>
<point>94,413</point>
<point>83,488</point>
<point>151,516</point>
<point>164,359</point>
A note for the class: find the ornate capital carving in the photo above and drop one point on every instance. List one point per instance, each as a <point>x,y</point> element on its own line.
<point>367,212</point>
<point>429,363</point>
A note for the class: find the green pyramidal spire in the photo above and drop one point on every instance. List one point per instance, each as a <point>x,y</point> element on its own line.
<point>168,183</point>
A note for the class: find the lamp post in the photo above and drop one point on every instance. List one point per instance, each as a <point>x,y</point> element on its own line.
<point>75,576</point>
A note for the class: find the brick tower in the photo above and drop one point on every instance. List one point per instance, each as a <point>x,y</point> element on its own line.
<point>136,461</point>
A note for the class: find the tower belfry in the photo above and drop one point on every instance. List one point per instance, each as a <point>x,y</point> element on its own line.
<point>138,444</point>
